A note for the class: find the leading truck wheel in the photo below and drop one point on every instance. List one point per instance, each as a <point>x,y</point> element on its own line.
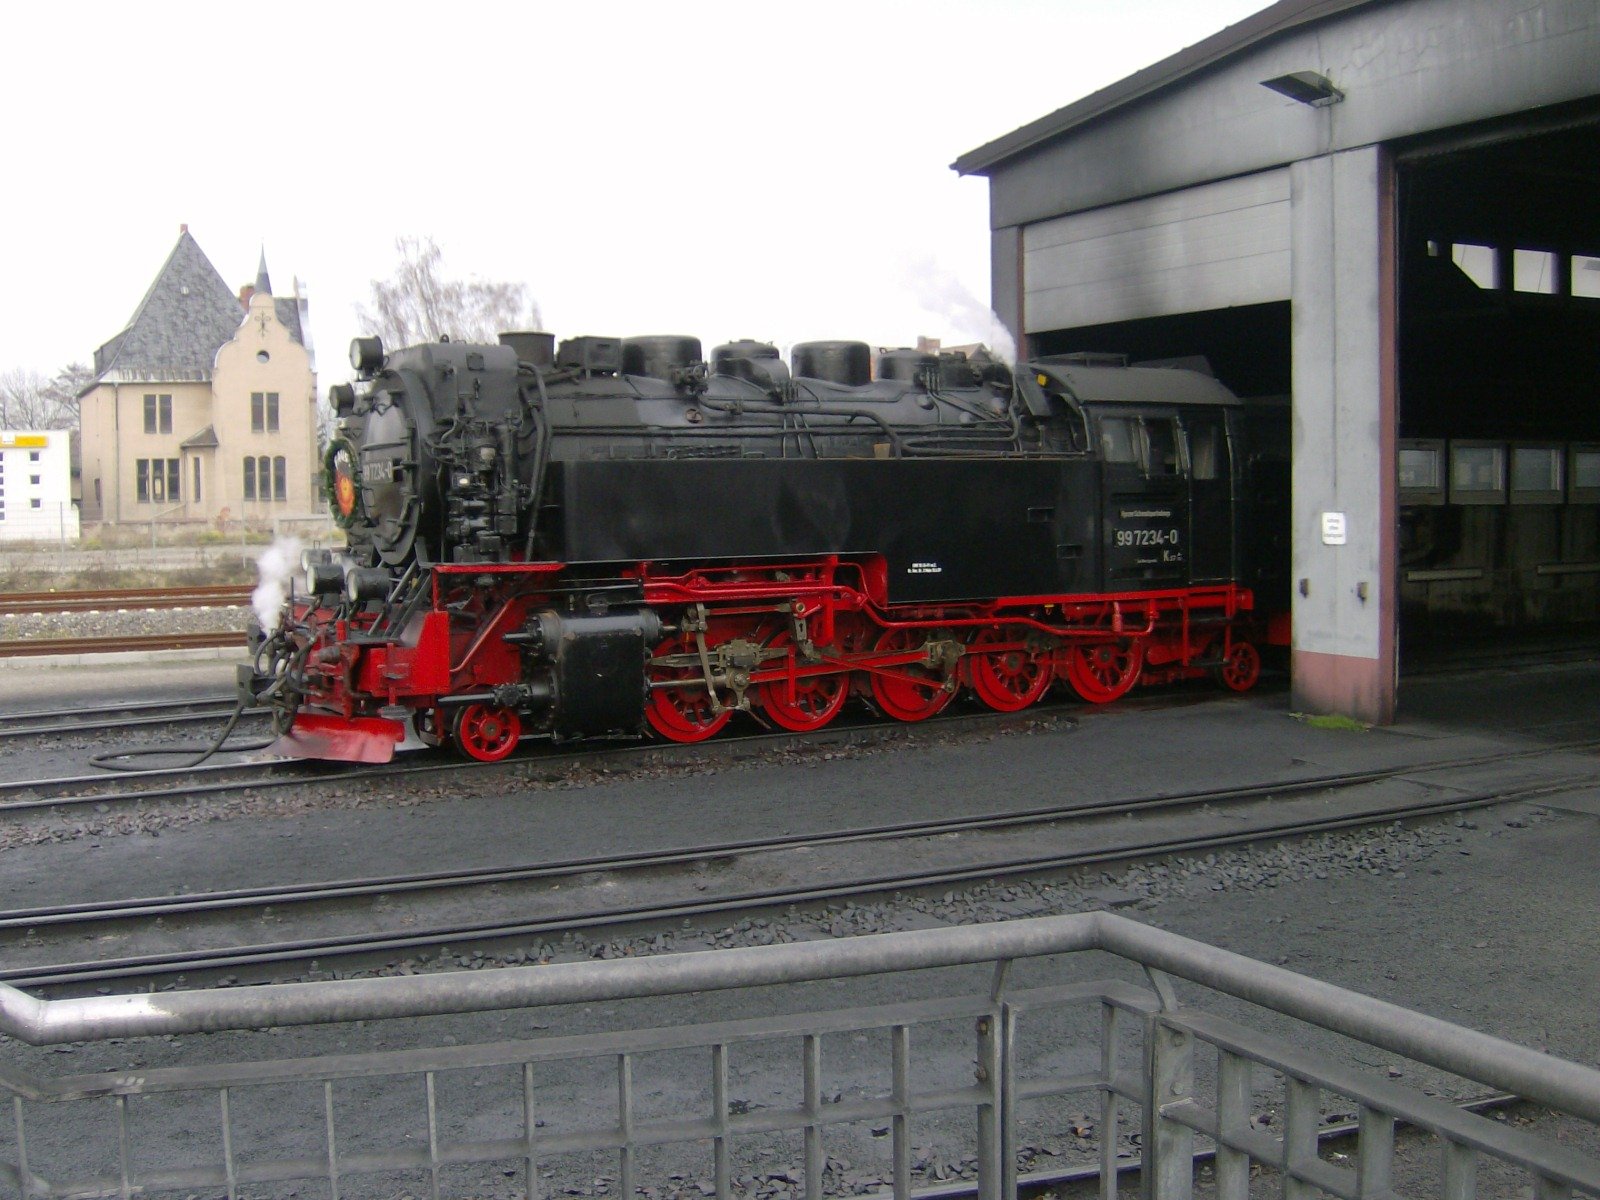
<point>1102,672</point>
<point>487,732</point>
<point>1241,668</point>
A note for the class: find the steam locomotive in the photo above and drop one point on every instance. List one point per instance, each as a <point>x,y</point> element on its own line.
<point>617,537</point>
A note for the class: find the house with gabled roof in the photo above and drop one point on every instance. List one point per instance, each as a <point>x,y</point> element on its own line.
<point>204,408</point>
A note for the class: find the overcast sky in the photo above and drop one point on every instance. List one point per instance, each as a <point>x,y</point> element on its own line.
<point>777,171</point>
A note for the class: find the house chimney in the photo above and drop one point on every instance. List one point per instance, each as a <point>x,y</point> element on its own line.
<point>245,292</point>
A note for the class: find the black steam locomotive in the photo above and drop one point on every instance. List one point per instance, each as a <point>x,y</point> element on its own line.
<point>621,536</point>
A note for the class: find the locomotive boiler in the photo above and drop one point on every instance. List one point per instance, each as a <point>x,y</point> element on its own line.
<point>620,537</point>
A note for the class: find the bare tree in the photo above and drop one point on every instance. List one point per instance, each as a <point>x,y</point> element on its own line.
<point>28,400</point>
<point>66,387</point>
<point>419,303</point>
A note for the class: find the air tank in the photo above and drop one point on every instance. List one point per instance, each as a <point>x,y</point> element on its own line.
<point>659,356</point>
<point>847,363</point>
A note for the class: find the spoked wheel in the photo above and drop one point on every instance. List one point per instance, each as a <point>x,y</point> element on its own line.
<point>804,702</point>
<point>1009,680</point>
<point>487,732</point>
<point>682,713</point>
<point>1102,672</point>
<point>1241,668</point>
<point>912,691</point>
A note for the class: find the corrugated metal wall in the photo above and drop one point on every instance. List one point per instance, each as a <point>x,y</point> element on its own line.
<point>1213,246</point>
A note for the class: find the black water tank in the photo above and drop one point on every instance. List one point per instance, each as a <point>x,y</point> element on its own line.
<point>848,363</point>
<point>905,365</point>
<point>658,357</point>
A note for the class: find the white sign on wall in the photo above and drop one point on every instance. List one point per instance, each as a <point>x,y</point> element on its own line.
<point>1333,529</point>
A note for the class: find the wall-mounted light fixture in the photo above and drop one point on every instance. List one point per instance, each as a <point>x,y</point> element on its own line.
<point>1307,87</point>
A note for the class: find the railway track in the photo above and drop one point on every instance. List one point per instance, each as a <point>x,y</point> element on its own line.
<point>546,900</point>
<point>117,599</point>
<point>123,643</point>
<point>127,715</point>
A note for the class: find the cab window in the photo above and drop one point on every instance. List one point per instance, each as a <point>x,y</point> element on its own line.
<point>1119,439</point>
<point>1161,447</point>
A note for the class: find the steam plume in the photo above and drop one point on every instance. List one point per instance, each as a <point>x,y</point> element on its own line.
<point>275,567</point>
<point>938,291</point>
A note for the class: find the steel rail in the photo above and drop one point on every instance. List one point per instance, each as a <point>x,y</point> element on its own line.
<point>121,643</point>
<point>37,722</point>
<point>227,595</point>
<point>1501,1064</point>
<point>366,944</point>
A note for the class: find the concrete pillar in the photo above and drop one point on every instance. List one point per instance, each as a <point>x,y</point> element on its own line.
<point>1343,304</point>
<point>1005,281</point>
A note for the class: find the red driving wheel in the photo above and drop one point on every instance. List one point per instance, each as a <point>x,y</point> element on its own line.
<point>683,712</point>
<point>1103,671</point>
<point>1008,680</point>
<point>908,691</point>
<point>802,703</point>
<point>487,732</point>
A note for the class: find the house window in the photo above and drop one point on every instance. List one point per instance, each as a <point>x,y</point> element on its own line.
<point>174,480</point>
<point>264,478</point>
<point>157,413</point>
<point>33,456</point>
<point>264,412</point>
<point>33,479</point>
<point>156,480</point>
<point>249,478</point>
<point>280,478</point>
<point>196,481</point>
<point>36,503</point>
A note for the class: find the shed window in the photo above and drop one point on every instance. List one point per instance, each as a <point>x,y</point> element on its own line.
<point>1533,271</point>
<point>1477,263</point>
<point>1586,276</point>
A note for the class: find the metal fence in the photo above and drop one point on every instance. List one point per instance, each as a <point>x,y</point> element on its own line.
<point>1160,1079</point>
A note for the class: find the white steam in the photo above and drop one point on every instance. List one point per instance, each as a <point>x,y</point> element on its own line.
<point>274,568</point>
<point>968,319</point>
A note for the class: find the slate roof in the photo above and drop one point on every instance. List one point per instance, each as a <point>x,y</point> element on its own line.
<point>188,314</point>
<point>174,334</point>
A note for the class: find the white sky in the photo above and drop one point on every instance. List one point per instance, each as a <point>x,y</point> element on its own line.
<point>777,171</point>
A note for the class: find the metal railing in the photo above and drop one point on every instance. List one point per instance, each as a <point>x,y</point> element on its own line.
<point>1158,1076</point>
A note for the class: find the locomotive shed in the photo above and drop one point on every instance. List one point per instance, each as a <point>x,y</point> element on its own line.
<point>1384,209</point>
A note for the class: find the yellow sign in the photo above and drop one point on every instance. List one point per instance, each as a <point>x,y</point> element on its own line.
<point>25,441</point>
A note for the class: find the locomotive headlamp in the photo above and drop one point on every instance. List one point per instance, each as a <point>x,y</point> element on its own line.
<point>463,481</point>
<point>366,354</point>
<point>313,558</point>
